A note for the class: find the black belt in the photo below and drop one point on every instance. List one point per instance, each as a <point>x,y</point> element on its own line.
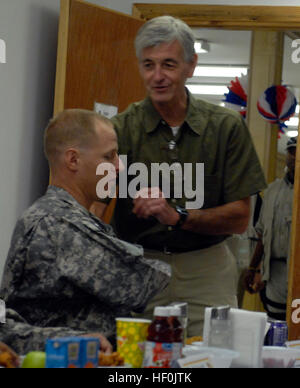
<point>281,259</point>
<point>169,251</point>
<point>267,302</point>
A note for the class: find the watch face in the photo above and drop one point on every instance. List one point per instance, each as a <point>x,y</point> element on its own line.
<point>183,215</point>
<point>181,211</point>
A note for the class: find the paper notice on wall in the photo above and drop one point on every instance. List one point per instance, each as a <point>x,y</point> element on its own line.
<point>105,110</point>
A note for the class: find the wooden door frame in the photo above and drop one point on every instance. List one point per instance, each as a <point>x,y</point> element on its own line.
<point>231,17</point>
<point>270,18</point>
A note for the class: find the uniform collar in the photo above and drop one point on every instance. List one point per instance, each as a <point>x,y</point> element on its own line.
<point>152,118</point>
<point>63,195</point>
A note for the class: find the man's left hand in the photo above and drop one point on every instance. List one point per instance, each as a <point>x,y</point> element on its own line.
<point>150,202</point>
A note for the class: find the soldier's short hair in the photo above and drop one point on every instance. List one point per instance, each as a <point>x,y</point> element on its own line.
<point>166,29</point>
<point>71,128</point>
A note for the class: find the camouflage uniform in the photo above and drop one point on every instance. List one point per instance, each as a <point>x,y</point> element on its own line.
<point>23,338</point>
<point>66,268</point>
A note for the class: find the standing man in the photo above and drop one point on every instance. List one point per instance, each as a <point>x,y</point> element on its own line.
<point>171,126</point>
<point>268,271</point>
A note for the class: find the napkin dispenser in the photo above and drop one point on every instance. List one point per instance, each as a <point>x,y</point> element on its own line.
<point>248,336</point>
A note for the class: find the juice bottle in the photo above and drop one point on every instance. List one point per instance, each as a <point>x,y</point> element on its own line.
<point>177,330</point>
<point>159,345</point>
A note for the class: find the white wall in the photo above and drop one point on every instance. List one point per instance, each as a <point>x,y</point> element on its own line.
<point>29,28</point>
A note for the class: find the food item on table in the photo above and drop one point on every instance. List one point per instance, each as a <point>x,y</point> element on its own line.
<point>7,360</point>
<point>113,359</point>
<point>34,360</point>
<point>72,352</point>
<point>191,340</point>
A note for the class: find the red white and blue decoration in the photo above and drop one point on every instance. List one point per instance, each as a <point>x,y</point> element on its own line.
<point>277,105</point>
<point>236,99</point>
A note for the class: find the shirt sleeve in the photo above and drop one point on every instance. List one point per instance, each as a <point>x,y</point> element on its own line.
<point>112,270</point>
<point>243,173</point>
<point>23,337</point>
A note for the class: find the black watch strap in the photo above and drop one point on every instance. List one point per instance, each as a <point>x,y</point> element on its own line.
<point>183,213</point>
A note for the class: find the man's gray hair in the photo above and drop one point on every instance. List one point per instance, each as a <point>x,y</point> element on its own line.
<point>166,29</point>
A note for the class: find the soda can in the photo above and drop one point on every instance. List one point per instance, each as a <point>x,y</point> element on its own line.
<point>277,334</point>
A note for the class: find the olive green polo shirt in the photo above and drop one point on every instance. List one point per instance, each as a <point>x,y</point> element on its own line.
<point>212,135</point>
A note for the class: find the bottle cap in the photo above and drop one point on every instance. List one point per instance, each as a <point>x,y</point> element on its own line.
<point>174,311</point>
<point>161,311</point>
<point>221,313</point>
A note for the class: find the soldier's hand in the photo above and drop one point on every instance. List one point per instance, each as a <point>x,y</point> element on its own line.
<point>105,345</point>
<point>150,202</point>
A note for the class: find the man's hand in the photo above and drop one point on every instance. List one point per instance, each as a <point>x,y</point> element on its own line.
<point>253,282</point>
<point>150,202</point>
<point>105,345</point>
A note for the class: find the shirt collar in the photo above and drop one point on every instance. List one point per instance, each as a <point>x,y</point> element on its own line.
<point>67,200</point>
<point>64,196</point>
<point>152,118</point>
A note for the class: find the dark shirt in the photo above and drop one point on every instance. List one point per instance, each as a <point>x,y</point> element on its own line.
<point>210,134</point>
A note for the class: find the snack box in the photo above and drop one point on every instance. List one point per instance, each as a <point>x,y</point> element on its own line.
<point>89,353</point>
<point>72,352</point>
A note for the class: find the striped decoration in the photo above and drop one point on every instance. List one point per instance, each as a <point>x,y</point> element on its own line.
<point>236,99</point>
<point>277,105</point>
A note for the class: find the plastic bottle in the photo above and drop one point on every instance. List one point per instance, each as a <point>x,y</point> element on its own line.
<point>159,345</point>
<point>220,335</point>
<point>177,331</point>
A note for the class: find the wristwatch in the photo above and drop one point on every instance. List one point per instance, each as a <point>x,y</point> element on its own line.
<point>183,213</point>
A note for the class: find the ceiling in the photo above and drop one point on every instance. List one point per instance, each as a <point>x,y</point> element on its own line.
<point>233,48</point>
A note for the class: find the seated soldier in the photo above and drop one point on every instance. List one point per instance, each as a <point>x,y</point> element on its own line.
<point>24,338</point>
<point>65,267</point>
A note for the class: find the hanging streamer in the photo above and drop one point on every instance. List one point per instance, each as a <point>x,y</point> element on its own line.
<point>236,99</point>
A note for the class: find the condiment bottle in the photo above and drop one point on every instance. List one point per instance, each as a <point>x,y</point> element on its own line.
<point>220,335</point>
<point>177,331</point>
<point>159,345</point>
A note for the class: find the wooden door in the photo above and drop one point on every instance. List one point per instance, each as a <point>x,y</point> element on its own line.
<point>96,60</point>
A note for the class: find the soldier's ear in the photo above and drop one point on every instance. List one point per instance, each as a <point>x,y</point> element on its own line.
<point>71,158</point>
